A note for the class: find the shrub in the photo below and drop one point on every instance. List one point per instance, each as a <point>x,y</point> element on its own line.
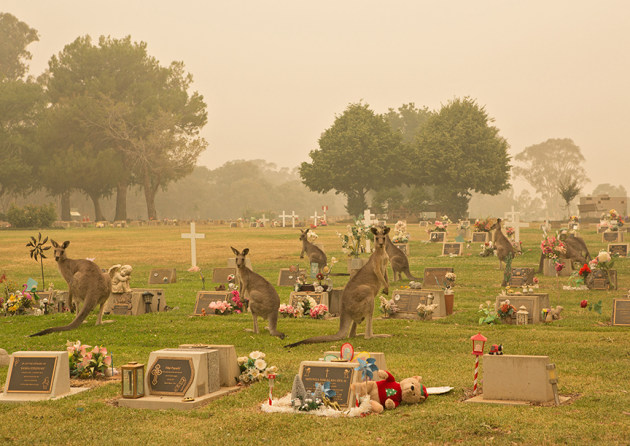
<point>32,216</point>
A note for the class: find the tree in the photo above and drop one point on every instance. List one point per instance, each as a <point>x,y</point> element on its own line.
<point>356,154</point>
<point>458,152</point>
<point>548,164</point>
<point>568,188</point>
<point>15,36</point>
<point>408,120</point>
<point>610,190</point>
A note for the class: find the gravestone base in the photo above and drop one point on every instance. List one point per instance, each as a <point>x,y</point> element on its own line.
<point>169,402</point>
<point>132,303</point>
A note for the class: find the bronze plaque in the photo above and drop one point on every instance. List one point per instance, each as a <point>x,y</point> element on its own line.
<point>522,276</point>
<point>480,237</point>
<point>599,280</point>
<point>621,312</point>
<point>612,237</point>
<point>437,236</point>
<point>340,375</point>
<point>32,374</point>
<point>435,277</point>
<point>407,301</point>
<point>205,297</point>
<point>162,276</point>
<point>619,249</point>
<point>286,277</point>
<point>296,296</point>
<point>220,275</point>
<point>452,249</point>
<point>171,376</point>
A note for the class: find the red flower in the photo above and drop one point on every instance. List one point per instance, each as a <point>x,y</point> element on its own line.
<point>584,303</point>
<point>584,270</point>
<point>559,267</point>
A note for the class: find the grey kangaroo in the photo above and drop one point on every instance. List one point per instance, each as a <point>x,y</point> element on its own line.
<point>263,298</point>
<point>357,299</point>
<point>86,283</point>
<point>315,255</point>
<point>398,260</point>
<point>501,243</point>
<point>577,251</point>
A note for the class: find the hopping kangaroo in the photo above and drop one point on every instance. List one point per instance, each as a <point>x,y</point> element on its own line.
<point>357,299</point>
<point>86,283</point>
<point>502,244</point>
<point>315,255</point>
<point>398,260</point>
<point>263,298</point>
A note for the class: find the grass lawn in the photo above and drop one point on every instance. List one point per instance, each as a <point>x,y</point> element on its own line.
<point>592,357</point>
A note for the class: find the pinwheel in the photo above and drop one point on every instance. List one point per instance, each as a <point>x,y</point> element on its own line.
<point>367,368</point>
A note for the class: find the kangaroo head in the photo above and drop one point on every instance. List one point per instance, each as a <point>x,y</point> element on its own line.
<point>496,225</point>
<point>304,235</point>
<point>240,256</point>
<point>380,236</point>
<point>60,250</point>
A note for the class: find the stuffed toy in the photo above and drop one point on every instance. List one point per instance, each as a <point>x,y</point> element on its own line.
<point>554,313</point>
<point>388,394</point>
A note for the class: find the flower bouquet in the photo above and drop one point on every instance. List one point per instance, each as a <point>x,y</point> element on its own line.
<point>254,368</point>
<point>86,364</point>
<point>353,241</point>
<point>487,249</point>
<point>506,310</point>
<point>601,267</point>
<point>425,311</point>
<point>221,307</point>
<point>482,225</point>
<point>318,311</point>
<point>14,301</point>
<point>388,307</point>
<point>439,226</point>
<point>288,310</point>
<point>490,315</point>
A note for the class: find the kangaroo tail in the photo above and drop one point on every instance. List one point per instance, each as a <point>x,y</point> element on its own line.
<point>344,326</point>
<point>83,314</point>
<point>409,275</point>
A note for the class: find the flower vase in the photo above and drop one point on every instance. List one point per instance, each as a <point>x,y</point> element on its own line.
<point>449,300</point>
<point>426,317</point>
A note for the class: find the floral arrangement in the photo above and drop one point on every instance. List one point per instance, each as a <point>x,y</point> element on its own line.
<point>506,310</point>
<point>288,311</point>
<point>220,307</point>
<point>400,232</point>
<point>449,280</point>
<point>86,364</point>
<point>604,262</point>
<point>439,226</point>
<point>318,311</point>
<point>574,219</point>
<point>487,249</point>
<point>425,311</point>
<point>14,301</point>
<point>311,236</point>
<point>592,307</point>
<point>254,368</point>
<point>353,241</point>
<point>388,307</point>
<point>490,315</point>
<point>611,220</point>
<point>236,303</point>
<point>552,247</point>
<point>510,231</point>
<point>482,225</point>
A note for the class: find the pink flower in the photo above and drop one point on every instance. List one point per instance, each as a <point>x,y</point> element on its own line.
<point>559,267</point>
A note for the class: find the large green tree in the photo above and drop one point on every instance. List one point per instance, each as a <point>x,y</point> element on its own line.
<point>126,101</point>
<point>15,36</point>
<point>459,151</point>
<point>358,153</point>
<point>550,167</point>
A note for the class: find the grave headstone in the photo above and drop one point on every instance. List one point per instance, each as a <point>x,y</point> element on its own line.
<point>522,276</point>
<point>205,297</point>
<point>133,304</point>
<point>315,219</point>
<point>480,237</point>
<point>619,249</point>
<point>612,237</point>
<point>284,217</point>
<point>437,237</point>
<point>533,302</point>
<point>288,276</point>
<point>340,375</point>
<point>220,275</point>
<point>549,268</point>
<point>435,277</point>
<point>319,298</point>
<point>408,300</point>
<point>452,249</point>
<point>404,247</point>
<point>294,217</point>
<point>162,276</point>
<point>621,312</point>
<point>599,280</point>
<point>228,365</point>
<point>513,220</point>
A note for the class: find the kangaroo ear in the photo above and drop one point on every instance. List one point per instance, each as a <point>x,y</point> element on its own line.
<point>54,243</point>
<point>386,230</point>
<point>234,250</point>
<point>65,244</point>
<point>246,251</point>
<point>374,230</point>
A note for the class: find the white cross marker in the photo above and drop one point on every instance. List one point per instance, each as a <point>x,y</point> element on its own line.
<point>264,220</point>
<point>284,216</point>
<point>513,220</point>
<point>325,209</point>
<point>315,219</point>
<point>294,216</point>
<point>193,236</point>
<point>367,217</point>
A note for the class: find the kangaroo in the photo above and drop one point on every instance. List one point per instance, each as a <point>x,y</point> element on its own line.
<point>263,298</point>
<point>315,255</point>
<point>86,283</point>
<point>576,251</point>
<point>398,260</point>
<point>357,299</point>
<point>503,245</point>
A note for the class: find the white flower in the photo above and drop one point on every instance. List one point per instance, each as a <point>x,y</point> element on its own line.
<point>242,360</point>
<point>271,370</point>
<point>260,364</point>
<point>255,374</point>
<point>256,355</point>
<point>603,257</point>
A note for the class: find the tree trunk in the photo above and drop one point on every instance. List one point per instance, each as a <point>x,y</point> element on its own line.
<point>65,206</point>
<point>121,200</point>
<point>356,203</point>
<point>149,195</point>
<point>97,208</point>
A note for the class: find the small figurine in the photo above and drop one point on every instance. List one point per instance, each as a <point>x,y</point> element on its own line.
<point>496,349</point>
<point>120,274</point>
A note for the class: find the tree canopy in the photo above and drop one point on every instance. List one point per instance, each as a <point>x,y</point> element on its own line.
<point>15,36</point>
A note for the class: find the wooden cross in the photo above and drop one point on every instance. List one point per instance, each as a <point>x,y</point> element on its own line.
<point>264,220</point>
<point>294,216</point>
<point>325,209</point>
<point>193,236</point>
<point>284,216</point>
<point>367,217</point>
<point>513,220</point>
<point>315,219</point>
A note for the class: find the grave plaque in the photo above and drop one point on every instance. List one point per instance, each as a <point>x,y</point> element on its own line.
<point>521,277</point>
<point>621,312</point>
<point>620,249</point>
<point>163,276</point>
<point>205,297</point>
<point>220,275</point>
<point>288,276</point>
<point>319,298</point>
<point>612,237</point>
<point>122,303</point>
<point>600,281</point>
<point>480,237</point>
<point>437,237</point>
<point>452,249</point>
<point>534,303</point>
<point>340,375</point>
<point>435,277</point>
<point>407,302</point>
<point>171,376</point>
<point>32,374</point>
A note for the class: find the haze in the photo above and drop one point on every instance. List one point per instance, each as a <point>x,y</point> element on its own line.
<point>275,73</point>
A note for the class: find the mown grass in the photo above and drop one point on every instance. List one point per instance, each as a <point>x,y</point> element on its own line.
<point>593,358</point>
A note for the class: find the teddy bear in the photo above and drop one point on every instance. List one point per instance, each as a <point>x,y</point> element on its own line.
<point>388,394</point>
